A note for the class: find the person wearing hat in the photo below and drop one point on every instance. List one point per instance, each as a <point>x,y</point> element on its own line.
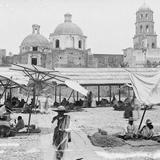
<point>131,129</point>
<point>147,130</point>
<point>61,135</point>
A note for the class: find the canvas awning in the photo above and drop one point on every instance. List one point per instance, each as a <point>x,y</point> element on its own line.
<point>103,76</point>
<point>146,88</point>
<point>76,86</point>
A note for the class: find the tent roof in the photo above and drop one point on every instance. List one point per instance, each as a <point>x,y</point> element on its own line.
<point>103,76</point>
<point>84,76</point>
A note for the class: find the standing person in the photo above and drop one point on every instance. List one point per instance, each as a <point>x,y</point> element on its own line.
<point>128,110</point>
<point>85,102</point>
<point>39,104</point>
<point>90,99</point>
<point>136,108</point>
<point>61,135</point>
<point>46,104</point>
<point>93,104</point>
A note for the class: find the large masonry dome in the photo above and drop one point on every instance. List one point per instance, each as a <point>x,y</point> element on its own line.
<point>35,39</point>
<point>68,28</point>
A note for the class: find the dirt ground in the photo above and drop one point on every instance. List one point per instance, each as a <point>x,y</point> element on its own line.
<point>39,146</point>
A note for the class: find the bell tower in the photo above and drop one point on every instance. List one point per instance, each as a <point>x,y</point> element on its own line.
<point>144,29</point>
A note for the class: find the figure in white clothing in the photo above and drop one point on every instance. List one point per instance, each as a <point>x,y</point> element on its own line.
<point>93,102</point>
<point>136,106</point>
<point>46,104</point>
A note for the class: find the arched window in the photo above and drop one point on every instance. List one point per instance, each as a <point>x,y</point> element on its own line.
<point>34,48</point>
<point>141,28</point>
<point>141,15</point>
<point>146,15</point>
<point>147,28</point>
<point>57,43</point>
<point>79,44</point>
<point>153,45</point>
<point>34,61</point>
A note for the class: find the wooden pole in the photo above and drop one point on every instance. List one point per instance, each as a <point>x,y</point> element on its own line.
<point>59,94</point>
<point>142,117</point>
<point>3,92</point>
<point>128,92</point>
<point>77,96</point>
<point>119,93</point>
<point>10,95</point>
<point>5,97</point>
<point>110,94</point>
<point>32,106</point>
<point>74,96</point>
<point>98,93</point>
<point>55,93</point>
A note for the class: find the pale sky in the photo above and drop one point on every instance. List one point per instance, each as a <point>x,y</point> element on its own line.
<point>108,24</point>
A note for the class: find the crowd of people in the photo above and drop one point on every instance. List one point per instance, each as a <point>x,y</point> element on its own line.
<point>23,106</point>
<point>85,102</point>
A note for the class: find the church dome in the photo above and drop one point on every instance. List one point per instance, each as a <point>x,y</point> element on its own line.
<point>144,7</point>
<point>68,28</point>
<point>35,39</point>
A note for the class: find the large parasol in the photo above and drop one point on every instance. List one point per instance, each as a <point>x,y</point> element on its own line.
<point>40,77</point>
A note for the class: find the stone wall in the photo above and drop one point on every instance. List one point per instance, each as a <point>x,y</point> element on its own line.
<point>67,58</point>
<point>108,60</point>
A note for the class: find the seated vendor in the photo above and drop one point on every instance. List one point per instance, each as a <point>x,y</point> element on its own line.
<point>147,130</point>
<point>20,124</point>
<point>131,129</point>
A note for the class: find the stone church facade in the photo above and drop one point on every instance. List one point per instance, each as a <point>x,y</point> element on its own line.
<point>66,47</point>
<point>33,49</point>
